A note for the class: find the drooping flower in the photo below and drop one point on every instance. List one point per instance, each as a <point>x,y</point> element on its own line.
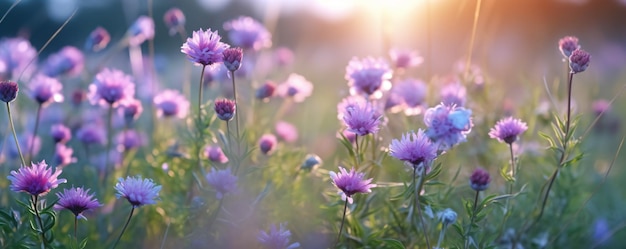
<point>567,45</point>
<point>350,183</point>
<point>414,149</point>
<point>404,59</point>
<point>45,89</point>
<point>480,179</point>
<point>170,103</point>
<point>8,91</point>
<point>38,179</point>
<point>130,139</point>
<point>295,87</point>
<point>453,94</point>
<point>233,58</point>
<point>91,133</point>
<point>247,33</point>
<point>204,48</point>
<point>174,20</point>
<point>267,143</point>
<point>60,133</point>
<point>448,125</point>
<point>225,109</point>
<point>141,31</point>
<point>111,86</point>
<point>63,155</point>
<point>265,91</point>
<point>223,181</point>
<point>68,61</point>
<point>277,238</point>
<point>97,40</point>
<point>368,76</point>
<point>215,154</point>
<point>579,60</point>
<point>286,131</point>
<point>137,191</point>
<point>15,56</point>
<point>77,200</point>
<point>362,120</point>
<point>507,130</point>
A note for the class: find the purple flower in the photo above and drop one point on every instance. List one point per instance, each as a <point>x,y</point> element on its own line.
<point>296,87</point>
<point>277,238</point>
<point>26,141</point>
<point>91,133</point>
<point>350,183</point>
<point>98,39</point>
<point>368,76</point>
<point>225,109</point>
<point>63,155</point>
<point>223,181</point>
<point>362,120</point>
<point>349,103</point>
<point>45,89</point>
<point>404,59</point>
<point>137,191</point>
<point>36,180</point>
<point>351,136</point>
<point>414,149</point>
<point>174,20</point>
<point>215,154</point>
<point>567,45</point>
<point>60,133</point>
<point>267,143</point>
<point>579,61</point>
<point>232,58</point>
<point>69,60</point>
<point>130,110</point>
<point>283,57</point>
<point>77,200</point>
<point>141,30</point>
<point>265,91</point>
<point>480,179</point>
<point>110,87</point>
<point>601,231</point>
<point>247,33</point>
<point>507,130</point>
<point>286,131</point>
<point>448,125</point>
<point>411,94</point>
<point>130,139</point>
<point>15,56</point>
<point>453,94</point>
<point>8,91</point>
<point>170,103</point>
<point>600,106</point>
<point>204,48</point>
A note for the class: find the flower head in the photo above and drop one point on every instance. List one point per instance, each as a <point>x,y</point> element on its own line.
<point>600,106</point>
<point>77,200</point>
<point>411,95</point>
<point>91,133</point>
<point>286,131</point>
<point>110,87</point>
<point>247,33</point>
<point>368,77</point>
<point>283,56</point>
<point>277,238</point>
<point>349,103</point>
<point>69,60</point>
<point>267,143</point>
<point>225,109</point>
<point>579,61</point>
<point>350,183</point>
<point>296,87</point>
<point>63,155</point>
<point>130,109</point>
<point>447,125</point>
<point>403,59</point>
<point>215,154</point>
<point>567,45</point>
<point>454,94</point>
<point>507,130</point>
<point>447,217</point>
<point>16,55</point>
<point>170,103</point>
<point>98,39</point>
<point>174,20</point>
<point>130,139</point>
<point>232,58</point>
<point>480,179</point>
<point>38,179</point>
<point>204,47</point>
<point>265,91</point>
<point>223,181</point>
<point>8,91</point>
<point>311,161</point>
<point>141,30</point>
<point>137,191</point>
<point>60,133</point>
<point>362,120</point>
<point>45,89</point>
<point>414,149</point>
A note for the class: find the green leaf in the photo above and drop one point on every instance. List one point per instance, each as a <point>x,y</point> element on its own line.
<point>392,244</point>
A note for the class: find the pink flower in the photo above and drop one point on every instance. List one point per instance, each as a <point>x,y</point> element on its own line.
<point>507,130</point>
<point>170,103</point>
<point>286,131</point>
<point>111,86</point>
<point>204,48</point>
<point>350,183</point>
<point>36,180</point>
<point>296,87</point>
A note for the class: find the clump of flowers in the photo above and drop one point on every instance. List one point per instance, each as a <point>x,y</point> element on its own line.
<point>15,57</point>
<point>223,181</point>
<point>369,76</point>
<point>447,125</point>
<point>277,238</point>
<point>37,180</point>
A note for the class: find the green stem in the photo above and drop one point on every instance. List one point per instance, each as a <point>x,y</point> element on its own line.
<point>418,189</point>
<point>17,143</point>
<point>441,235</point>
<point>200,91</point>
<point>43,233</point>
<point>124,228</point>
<point>343,219</point>
<point>469,229</point>
<point>32,138</point>
<point>217,211</point>
<point>356,152</point>
<point>237,111</point>
<point>75,228</point>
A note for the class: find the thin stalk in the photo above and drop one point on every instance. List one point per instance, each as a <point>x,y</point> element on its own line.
<point>124,228</point>
<point>217,211</point>
<point>75,228</point>
<point>512,161</point>
<point>356,152</point>
<point>237,111</point>
<point>228,134</point>
<point>469,229</point>
<point>200,90</point>
<point>43,234</point>
<point>32,139</point>
<point>107,152</point>
<point>343,220</point>
<point>17,143</point>
<point>418,189</point>
<point>441,235</point>
<point>473,37</point>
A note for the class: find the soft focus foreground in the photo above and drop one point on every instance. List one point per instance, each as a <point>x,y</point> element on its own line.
<point>355,127</point>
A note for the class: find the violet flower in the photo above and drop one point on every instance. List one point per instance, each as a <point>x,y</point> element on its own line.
<point>111,86</point>
<point>137,191</point>
<point>15,56</point>
<point>174,20</point>
<point>170,103</point>
<point>415,149</point>
<point>141,30</point>
<point>215,154</point>
<point>448,125</point>
<point>223,181</point>
<point>77,200</point>
<point>295,87</point>
<point>247,33</point>
<point>45,90</point>
<point>368,76</point>
<point>97,40</point>
<point>362,120</point>
<point>68,61</point>
<point>267,144</point>
<point>277,238</point>
<point>507,130</point>
<point>350,183</point>
<point>37,180</point>
<point>204,48</point>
